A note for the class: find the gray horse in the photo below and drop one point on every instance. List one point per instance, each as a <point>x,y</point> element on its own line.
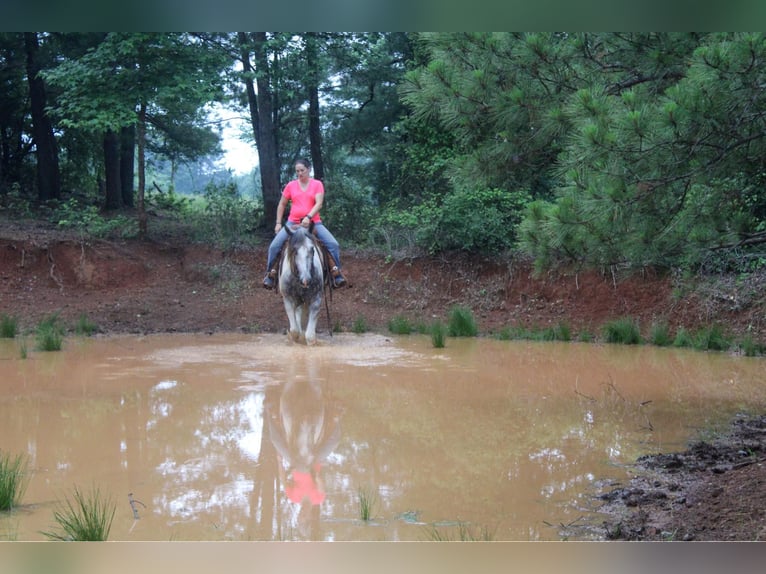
<point>301,282</point>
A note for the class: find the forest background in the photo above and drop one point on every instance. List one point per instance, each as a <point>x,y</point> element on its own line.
<point>611,151</point>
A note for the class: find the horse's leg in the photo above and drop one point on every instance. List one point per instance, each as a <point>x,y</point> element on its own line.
<point>299,320</point>
<point>311,324</point>
<point>295,327</point>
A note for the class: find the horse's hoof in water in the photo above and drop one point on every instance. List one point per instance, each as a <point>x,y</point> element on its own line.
<point>311,342</point>
<point>293,336</point>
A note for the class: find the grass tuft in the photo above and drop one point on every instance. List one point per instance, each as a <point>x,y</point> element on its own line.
<point>461,323</point>
<point>85,326</point>
<point>84,518</point>
<point>368,499</point>
<point>13,479</point>
<point>750,347</point>
<point>465,533</point>
<point>622,331</point>
<point>360,325</point>
<point>49,334</point>
<point>711,338</point>
<point>683,338</point>
<point>8,326</point>
<point>659,334</point>
<point>438,335</point>
<point>400,325</point>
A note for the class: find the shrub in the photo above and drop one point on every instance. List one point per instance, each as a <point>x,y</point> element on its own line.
<point>86,518</point>
<point>49,334</point>
<point>360,325</point>
<point>623,331</point>
<point>750,347</point>
<point>659,334</point>
<point>400,325</point>
<point>85,326</point>
<point>711,339</point>
<point>683,338</point>
<point>438,335</point>
<point>8,326</point>
<point>461,323</point>
<point>13,479</point>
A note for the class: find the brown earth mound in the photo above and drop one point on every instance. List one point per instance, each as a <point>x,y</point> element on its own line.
<point>168,284</point>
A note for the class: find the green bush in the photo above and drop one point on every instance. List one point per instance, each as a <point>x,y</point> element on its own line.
<point>623,331</point>
<point>750,347</point>
<point>85,326</point>
<point>400,325</point>
<point>13,479</point>
<point>711,338</point>
<point>8,326</point>
<point>659,334</point>
<point>683,338</point>
<point>438,335</point>
<point>86,518</point>
<point>461,323</point>
<point>49,334</point>
<point>360,325</point>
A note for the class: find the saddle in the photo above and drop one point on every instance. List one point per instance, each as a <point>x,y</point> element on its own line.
<point>330,265</point>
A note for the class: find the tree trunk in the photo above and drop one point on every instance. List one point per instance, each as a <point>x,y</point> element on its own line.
<point>48,176</point>
<point>141,135</point>
<point>112,170</point>
<point>127,161</point>
<point>315,134</point>
<point>261,109</point>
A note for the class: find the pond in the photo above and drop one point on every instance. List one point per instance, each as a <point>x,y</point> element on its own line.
<point>363,437</point>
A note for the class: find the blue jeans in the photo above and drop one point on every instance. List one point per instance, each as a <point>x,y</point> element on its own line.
<point>323,234</point>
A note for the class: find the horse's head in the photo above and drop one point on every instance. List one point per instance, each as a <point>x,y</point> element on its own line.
<point>301,251</point>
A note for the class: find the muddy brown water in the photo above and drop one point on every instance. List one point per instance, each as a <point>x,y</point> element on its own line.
<point>247,437</point>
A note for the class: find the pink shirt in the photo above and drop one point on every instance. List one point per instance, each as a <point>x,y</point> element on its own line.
<point>302,201</point>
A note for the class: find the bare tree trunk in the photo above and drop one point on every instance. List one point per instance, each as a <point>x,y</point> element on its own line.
<point>261,117</point>
<point>315,134</point>
<point>112,170</point>
<point>142,224</point>
<point>127,160</point>
<point>48,176</point>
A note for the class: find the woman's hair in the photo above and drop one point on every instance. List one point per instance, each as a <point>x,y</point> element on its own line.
<point>306,163</point>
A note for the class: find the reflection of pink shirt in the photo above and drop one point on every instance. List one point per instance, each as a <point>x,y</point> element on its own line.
<point>302,201</point>
<point>304,487</point>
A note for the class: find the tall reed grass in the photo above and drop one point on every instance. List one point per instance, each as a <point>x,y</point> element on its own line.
<point>461,323</point>
<point>86,517</point>
<point>14,479</point>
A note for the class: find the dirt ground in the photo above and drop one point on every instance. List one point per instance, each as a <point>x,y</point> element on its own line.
<point>167,284</point>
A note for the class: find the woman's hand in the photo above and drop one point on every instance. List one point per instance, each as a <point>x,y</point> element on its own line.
<point>277,227</point>
<point>306,221</point>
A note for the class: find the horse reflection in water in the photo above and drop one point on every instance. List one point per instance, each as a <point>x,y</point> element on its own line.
<point>304,431</point>
<point>301,283</point>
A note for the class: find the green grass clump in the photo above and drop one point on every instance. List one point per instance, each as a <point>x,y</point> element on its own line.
<point>360,325</point>
<point>85,518</point>
<point>711,338</point>
<point>585,336</point>
<point>465,533</point>
<point>659,334</point>
<point>622,331</point>
<point>367,501</point>
<point>750,347</point>
<point>438,335</point>
<point>461,323</point>
<point>13,479</point>
<point>49,334</point>
<point>400,325</point>
<point>8,326</point>
<point>683,338</point>
<point>85,326</point>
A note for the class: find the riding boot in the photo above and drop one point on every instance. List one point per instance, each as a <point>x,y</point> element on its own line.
<point>338,280</point>
<point>268,281</point>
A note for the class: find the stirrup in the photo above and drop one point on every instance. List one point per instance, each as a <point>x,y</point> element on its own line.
<point>268,281</point>
<point>337,278</point>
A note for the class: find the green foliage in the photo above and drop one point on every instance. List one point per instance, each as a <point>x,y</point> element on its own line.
<point>559,332</point>
<point>87,517</point>
<point>85,326</point>
<point>400,325</point>
<point>750,347</point>
<point>465,533</point>
<point>659,334</point>
<point>360,325</point>
<point>711,338</point>
<point>223,217</point>
<point>368,499</point>
<point>461,322</point>
<point>14,479</point>
<point>8,326</point>
<point>88,221</point>
<point>623,331</point>
<point>438,334</point>
<point>683,338</point>
<point>49,334</point>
